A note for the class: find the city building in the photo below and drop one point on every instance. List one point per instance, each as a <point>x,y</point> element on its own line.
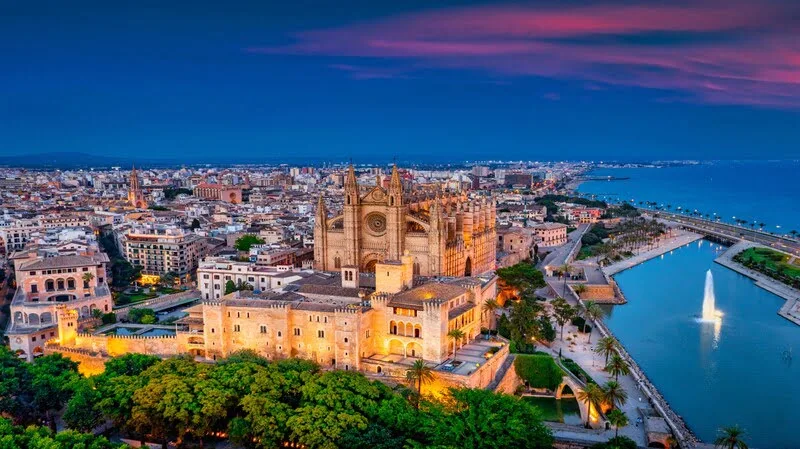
<point>219,192</point>
<point>338,326</point>
<point>77,282</point>
<point>550,234</point>
<point>161,249</point>
<point>448,235</point>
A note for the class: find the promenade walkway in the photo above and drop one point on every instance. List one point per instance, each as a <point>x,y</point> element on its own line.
<point>791,309</point>
<point>681,238</point>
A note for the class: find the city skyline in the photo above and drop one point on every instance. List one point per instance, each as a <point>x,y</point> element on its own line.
<point>592,80</point>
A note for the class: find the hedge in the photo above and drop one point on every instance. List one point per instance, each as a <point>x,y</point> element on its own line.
<point>540,371</point>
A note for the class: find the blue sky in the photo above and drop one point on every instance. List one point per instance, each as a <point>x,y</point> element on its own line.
<point>235,80</point>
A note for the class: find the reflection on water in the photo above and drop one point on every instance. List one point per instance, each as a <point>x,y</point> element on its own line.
<point>564,410</point>
<point>704,369</point>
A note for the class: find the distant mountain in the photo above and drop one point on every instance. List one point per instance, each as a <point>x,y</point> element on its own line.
<point>72,160</point>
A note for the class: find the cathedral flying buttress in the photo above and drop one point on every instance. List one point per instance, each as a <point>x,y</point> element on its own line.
<point>446,234</point>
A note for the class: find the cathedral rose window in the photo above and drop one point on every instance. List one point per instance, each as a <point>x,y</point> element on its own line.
<point>376,223</point>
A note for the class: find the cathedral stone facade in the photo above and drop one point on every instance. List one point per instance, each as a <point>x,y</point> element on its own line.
<point>446,234</point>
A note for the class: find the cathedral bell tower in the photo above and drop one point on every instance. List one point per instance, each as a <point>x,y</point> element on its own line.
<point>352,219</point>
<point>395,217</point>
<point>135,196</point>
<point>321,235</point>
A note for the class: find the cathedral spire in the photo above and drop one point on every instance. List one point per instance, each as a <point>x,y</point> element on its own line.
<point>351,187</point>
<point>395,188</point>
<point>322,213</point>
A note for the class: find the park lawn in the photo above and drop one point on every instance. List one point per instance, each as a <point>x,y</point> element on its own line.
<point>774,260</point>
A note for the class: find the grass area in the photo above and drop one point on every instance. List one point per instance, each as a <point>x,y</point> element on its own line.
<point>577,371</point>
<point>124,299</point>
<point>772,263</point>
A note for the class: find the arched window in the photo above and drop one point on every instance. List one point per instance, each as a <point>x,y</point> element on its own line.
<point>70,284</point>
<point>60,284</point>
<point>49,285</point>
<point>337,262</point>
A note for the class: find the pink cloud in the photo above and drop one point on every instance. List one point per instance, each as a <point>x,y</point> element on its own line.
<point>749,53</point>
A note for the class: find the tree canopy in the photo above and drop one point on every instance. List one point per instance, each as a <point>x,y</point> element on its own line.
<point>245,242</point>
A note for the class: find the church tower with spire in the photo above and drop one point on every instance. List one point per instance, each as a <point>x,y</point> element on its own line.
<point>135,195</point>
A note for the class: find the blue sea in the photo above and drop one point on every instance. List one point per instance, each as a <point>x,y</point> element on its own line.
<point>761,191</point>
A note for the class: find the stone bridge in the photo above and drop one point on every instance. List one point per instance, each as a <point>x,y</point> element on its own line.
<point>597,419</point>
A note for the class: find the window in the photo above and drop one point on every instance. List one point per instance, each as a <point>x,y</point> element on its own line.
<point>34,288</point>
<point>321,334</point>
<point>237,328</point>
<point>263,329</point>
<point>345,339</point>
<point>367,334</point>
<point>297,331</point>
<point>279,334</point>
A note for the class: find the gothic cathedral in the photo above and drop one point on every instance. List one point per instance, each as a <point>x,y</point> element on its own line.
<point>446,234</point>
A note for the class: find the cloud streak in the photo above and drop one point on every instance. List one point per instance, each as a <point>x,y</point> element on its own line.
<point>731,52</point>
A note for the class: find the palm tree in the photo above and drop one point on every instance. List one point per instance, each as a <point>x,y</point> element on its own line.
<point>606,346</point>
<point>614,395</point>
<point>592,395</point>
<point>617,366</point>
<point>418,375</point>
<point>87,279</point>
<point>594,313</point>
<point>618,419</point>
<point>579,289</point>
<point>489,307</point>
<point>730,438</point>
<point>456,335</point>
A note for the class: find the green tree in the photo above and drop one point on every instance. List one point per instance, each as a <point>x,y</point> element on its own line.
<point>456,335</point>
<point>418,375</point>
<point>471,419</point>
<point>617,366</point>
<point>489,308</point>
<point>593,312</point>
<point>167,280</point>
<point>82,412</point>
<point>52,379</point>
<point>142,316</point>
<point>592,396</point>
<point>376,436</point>
<point>523,320</point>
<point>230,287</point>
<point>87,278</point>
<point>618,419</point>
<point>544,329</point>
<point>731,437</point>
<point>614,395</point>
<point>580,289</point>
<point>563,312</point>
<point>522,278</point>
<point>35,437</point>
<point>606,346</point>
<point>245,242</point>
<point>332,404</point>
<point>109,318</point>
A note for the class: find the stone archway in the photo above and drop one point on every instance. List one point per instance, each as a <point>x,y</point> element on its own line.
<point>369,266</point>
<point>468,267</point>
<point>397,347</point>
<point>574,388</point>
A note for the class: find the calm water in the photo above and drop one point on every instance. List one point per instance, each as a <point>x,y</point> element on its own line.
<point>761,191</point>
<point>558,410</point>
<point>738,376</point>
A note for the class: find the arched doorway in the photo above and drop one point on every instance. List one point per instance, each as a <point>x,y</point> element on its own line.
<point>468,267</point>
<point>369,267</point>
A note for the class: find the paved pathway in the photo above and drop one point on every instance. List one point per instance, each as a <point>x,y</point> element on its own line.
<point>679,239</point>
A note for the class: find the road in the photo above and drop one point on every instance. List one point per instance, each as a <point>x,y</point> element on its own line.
<point>785,244</point>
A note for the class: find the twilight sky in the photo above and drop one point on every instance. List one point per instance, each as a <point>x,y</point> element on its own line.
<point>577,79</point>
